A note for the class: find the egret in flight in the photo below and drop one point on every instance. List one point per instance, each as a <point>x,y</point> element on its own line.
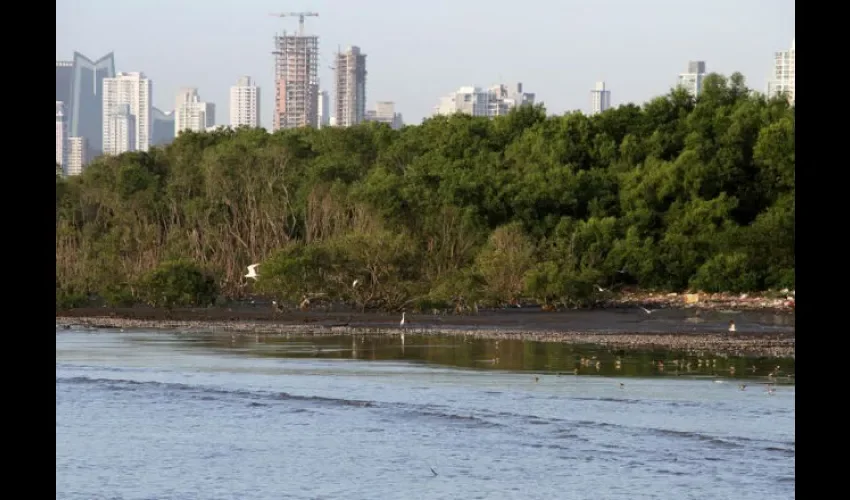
<point>252,271</point>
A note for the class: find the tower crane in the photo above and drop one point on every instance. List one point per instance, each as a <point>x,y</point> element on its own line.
<point>300,16</point>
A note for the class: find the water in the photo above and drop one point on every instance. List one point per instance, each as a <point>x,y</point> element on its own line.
<point>153,415</point>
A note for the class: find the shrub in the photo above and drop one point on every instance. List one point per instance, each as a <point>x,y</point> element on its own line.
<point>178,283</point>
<point>726,273</point>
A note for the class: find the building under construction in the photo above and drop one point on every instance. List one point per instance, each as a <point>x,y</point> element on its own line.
<point>350,87</point>
<point>296,78</point>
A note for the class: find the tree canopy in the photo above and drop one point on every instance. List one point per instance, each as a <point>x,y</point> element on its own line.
<point>678,193</point>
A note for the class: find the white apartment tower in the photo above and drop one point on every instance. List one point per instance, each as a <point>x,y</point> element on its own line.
<point>498,100</point>
<point>126,96</point>
<point>600,98</point>
<point>122,130</point>
<point>61,136</point>
<point>468,100</point>
<point>384,112</point>
<point>783,77</point>
<point>692,79</point>
<point>350,87</point>
<point>77,156</point>
<point>324,110</point>
<point>245,103</point>
<point>190,113</point>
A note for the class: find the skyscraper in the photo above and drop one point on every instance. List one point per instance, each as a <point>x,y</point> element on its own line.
<point>296,81</point>
<point>600,98</point>
<point>64,81</point>
<point>692,79</point>
<point>350,87</point>
<point>126,110</point>
<point>324,110</point>
<point>190,113</point>
<point>783,77</point>
<point>86,100</point>
<point>245,103</point>
<point>162,127</point>
<point>61,136</point>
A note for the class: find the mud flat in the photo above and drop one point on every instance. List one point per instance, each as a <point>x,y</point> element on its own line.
<point>619,329</point>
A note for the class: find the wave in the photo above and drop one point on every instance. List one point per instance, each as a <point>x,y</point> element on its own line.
<point>729,443</point>
<point>258,398</point>
<point>560,428</point>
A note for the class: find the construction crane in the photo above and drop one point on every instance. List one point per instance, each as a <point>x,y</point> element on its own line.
<point>300,16</point>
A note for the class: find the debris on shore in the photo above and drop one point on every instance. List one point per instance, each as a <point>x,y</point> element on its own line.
<point>777,301</point>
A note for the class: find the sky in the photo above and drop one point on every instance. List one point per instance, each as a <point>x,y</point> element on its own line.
<point>417,52</point>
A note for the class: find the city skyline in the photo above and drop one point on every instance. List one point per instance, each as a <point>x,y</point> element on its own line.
<point>413,74</point>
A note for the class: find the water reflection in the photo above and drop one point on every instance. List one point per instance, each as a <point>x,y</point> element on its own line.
<point>515,355</point>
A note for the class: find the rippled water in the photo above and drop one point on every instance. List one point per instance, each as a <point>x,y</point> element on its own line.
<point>157,415</point>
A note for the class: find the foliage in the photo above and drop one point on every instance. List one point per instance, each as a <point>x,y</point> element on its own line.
<point>178,283</point>
<point>677,193</point>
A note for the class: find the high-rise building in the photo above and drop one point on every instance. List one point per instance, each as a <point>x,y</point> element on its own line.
<point>85,105</point>
<point>162,127</point>
<point>324,110</point>
<point>64,82</point>
<point>77,156</point>
<point>296,81</point>
<point>468,100</point>
<point>350,106</point>
<point>190,113</point>
<point>127,96</point>
<point>600,98</point>
<point>61,136</point>
<point>121,126</point>
<point>783,78</point>
<point>245,103</point>
<point>692,79</point>
<point>498,100</point>
<point>384,112</point>
<point>501,99</point>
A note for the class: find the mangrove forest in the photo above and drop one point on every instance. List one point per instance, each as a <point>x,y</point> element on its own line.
<point>679,193</point>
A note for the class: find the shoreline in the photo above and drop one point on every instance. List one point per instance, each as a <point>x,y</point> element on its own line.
<point>618,329</point>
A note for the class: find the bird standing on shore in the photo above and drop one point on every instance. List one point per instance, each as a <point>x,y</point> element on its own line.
<point>252,272</point>
<point>401,324</point>
<point>731,325</point>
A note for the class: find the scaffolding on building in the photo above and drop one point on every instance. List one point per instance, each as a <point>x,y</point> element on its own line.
<point>296,77</point>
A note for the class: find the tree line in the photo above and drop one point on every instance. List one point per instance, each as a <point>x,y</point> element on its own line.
<point>679,193</point>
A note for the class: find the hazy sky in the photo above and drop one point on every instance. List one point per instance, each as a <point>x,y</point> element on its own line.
<point>420,51</point>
